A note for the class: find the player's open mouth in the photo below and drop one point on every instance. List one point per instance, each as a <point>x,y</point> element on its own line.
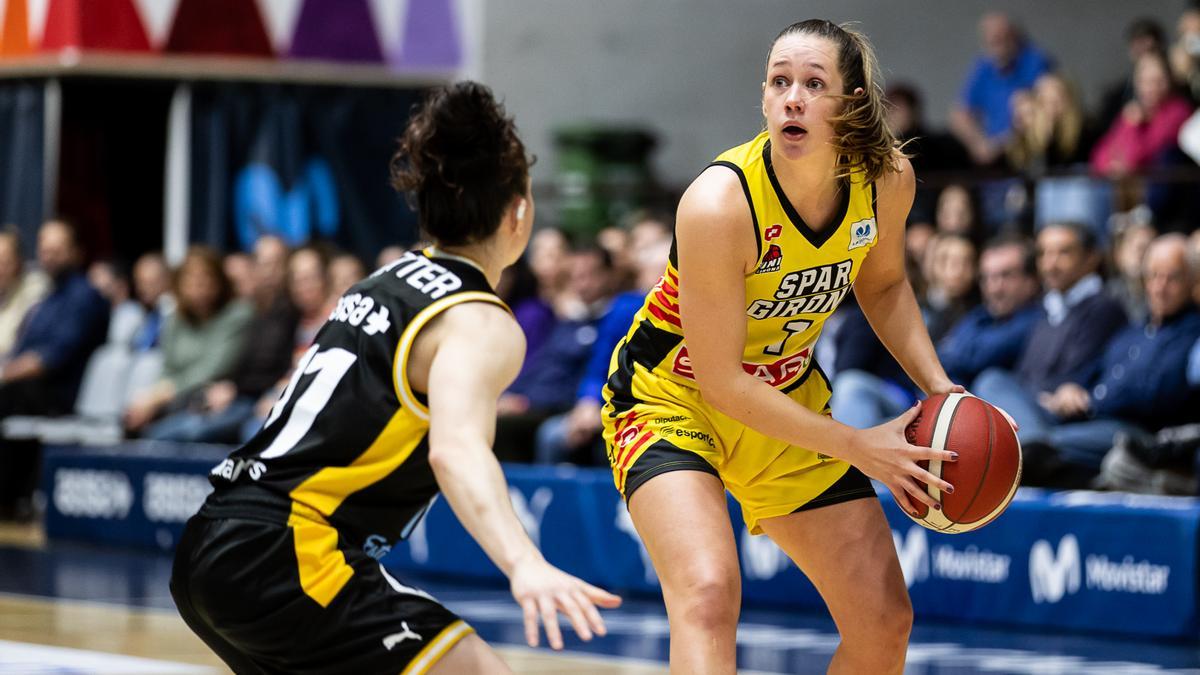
<point>794,132</point>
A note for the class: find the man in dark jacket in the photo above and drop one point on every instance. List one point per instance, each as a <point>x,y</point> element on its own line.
<point>1067,343</point>
<point>994,334</point>
<point>1142,384</point>
<point>53,345</point>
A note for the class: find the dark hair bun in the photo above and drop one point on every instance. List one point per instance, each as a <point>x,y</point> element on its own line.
<point>461,162</point>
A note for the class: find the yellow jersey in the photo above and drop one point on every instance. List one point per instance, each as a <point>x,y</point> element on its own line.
<point>800,278</point>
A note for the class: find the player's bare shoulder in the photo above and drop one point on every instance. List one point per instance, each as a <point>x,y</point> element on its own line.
<point>714,212</point>
<point>715,195</point>
<point>480,332</point>
<point>488,323</point>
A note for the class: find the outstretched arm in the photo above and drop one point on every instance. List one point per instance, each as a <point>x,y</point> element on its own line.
<point>886,297</point>
<point>478,352</point>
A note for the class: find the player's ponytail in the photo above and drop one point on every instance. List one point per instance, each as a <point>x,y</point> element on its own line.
<point>460,163</point>
<point>862,138</point>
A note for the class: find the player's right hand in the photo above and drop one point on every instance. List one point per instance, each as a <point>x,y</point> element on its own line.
<point>542,590</point>
<point>884,453</point>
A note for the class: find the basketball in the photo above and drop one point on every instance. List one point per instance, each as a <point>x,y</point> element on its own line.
<point>988,469</point>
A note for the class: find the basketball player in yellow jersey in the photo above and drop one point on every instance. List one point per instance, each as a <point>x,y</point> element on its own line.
<point>715,386</point>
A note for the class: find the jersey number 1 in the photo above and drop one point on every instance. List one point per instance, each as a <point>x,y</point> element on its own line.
<point>330,366</point>
<point>792,327</point>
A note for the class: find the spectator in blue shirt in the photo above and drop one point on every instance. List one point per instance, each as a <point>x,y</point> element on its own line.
<point>546,384</point>
<point>982,117</point>
<point>1143,384</point>
<point>52,349</point>
<point>994,334</point>
<point>60,332</point>
<point>575,435</point>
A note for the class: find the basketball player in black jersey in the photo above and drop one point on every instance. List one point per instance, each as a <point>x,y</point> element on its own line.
<point>394,402</point>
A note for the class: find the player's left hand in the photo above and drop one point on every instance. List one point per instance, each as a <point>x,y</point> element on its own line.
<point>542,590</point>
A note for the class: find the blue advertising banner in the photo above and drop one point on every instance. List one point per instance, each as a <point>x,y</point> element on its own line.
<point>1063,560</point>
<point>1081,560</point>
<point>139,494</point>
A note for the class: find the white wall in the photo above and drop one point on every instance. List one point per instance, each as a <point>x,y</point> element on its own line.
<point>691,69</point>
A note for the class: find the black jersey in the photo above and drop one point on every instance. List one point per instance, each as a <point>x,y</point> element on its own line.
<point>346,443</point>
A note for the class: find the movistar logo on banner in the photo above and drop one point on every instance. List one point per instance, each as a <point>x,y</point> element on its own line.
<point>970,563</point>
<point>1053,574</point>
<point>296,213</point>
<point>1126,576</point>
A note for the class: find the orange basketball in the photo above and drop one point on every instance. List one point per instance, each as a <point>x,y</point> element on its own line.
<point>988,469</point>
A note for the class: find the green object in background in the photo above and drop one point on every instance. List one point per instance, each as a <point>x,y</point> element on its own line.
<point>603,175</point>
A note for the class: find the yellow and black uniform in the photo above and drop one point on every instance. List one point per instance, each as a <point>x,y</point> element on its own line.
<point>655,419</point>
<point>279,570</point>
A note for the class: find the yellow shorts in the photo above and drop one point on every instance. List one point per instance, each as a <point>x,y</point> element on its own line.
<point>666,426</point>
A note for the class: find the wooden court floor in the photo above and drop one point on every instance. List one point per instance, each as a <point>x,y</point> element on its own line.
<point>55,635</point>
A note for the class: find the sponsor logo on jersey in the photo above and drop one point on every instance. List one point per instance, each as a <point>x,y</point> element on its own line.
<point>231,468</point>
<point>688,433</point>
<point>355,309</point>
<point>628,435</point>
<point>776,373</point>
<point>396,638</point>
<point>862,233</point>
<point>773,232</point>
<point>772,261</point>
<point>376,546</point>
<point>816,290</point>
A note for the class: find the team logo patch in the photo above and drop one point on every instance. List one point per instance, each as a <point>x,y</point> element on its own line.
<point>862,233</point>
<point>773,232</point>
<point>772,261</point>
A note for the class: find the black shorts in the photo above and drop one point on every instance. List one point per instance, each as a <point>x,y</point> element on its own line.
<point>663,457</point>
<point>237,584</point>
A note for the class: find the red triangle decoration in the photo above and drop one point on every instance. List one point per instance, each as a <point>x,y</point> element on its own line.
<point>232,27</point>
<point>94,24</point>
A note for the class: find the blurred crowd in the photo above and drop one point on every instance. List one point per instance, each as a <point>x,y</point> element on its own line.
<point>1021,135</point>
<point>200,351</point>
<point>1059,268</point>
<point>1058,275</point>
